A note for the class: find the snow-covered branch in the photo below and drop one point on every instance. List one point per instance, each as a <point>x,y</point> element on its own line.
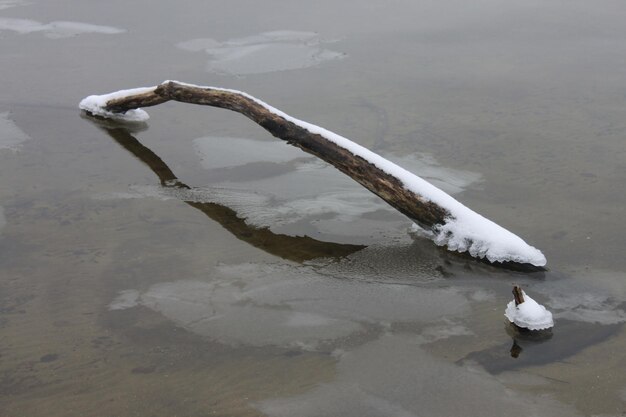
<point>446,221</point>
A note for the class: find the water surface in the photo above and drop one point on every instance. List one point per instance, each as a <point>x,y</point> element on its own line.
<point>197,266</point>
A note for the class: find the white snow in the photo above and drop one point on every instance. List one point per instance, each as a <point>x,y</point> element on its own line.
<point>95,105</point>
<point>464,231</point>
<point>529,314</point>
<point>55,30</point>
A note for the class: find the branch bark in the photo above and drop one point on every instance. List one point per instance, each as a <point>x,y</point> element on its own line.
<point>518,295</point>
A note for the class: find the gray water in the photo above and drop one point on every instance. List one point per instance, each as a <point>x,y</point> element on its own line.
<point>120,296</point>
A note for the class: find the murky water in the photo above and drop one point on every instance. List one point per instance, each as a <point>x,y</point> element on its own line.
<point>131,285</point>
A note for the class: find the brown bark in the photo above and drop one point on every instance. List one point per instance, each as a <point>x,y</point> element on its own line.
<point>518,295</point>
<point>425,213</point>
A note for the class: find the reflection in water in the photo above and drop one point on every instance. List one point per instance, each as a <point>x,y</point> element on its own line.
<point>516,349</point>
<point>521,335</point>
<point>294,248</point>
<point>567,339</point>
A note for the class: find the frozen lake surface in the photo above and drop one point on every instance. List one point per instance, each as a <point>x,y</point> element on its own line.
<point>121,294</point>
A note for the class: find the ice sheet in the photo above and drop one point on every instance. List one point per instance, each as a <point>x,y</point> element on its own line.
<point>260,304</point>
<point>262,53</point>
<point>5,4</point>
<point>55,30</point>
<point>221,152</point>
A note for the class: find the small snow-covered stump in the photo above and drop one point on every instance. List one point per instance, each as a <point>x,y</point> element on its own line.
<point>444,219</point>
<point>526,314</point>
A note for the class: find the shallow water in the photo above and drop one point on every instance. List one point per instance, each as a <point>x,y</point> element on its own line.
<point>130,285</point>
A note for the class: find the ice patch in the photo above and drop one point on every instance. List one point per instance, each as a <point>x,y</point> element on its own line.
<point>6,4</point>
<point>55,30</point>
<point>288,306</point>
<point>137,191</point>
<point>588,307</point>
<point>529,314</point>
<point>11,136</point>
<point>95,105</point>
<point>444,331</point>
<point>266,52</point>
<point>223,152</point>
<point>125,299</point>
<point>342,207</point>
<point>596,297</point>
<point>299,319</point>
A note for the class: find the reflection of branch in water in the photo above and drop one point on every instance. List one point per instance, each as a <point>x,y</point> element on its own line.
<point>516,349</point>
<point>293,248</point>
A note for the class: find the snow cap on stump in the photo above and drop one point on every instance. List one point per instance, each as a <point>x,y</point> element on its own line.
<point>529,314</point>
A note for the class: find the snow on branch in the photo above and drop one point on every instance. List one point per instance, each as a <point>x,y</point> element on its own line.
<point>446,221</point>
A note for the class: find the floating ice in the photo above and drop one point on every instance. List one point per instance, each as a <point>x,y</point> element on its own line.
<point>146,191</point>
<point>529,314</point>
<point>265,52</point>
<point>5,4</point>
<point>588,307</point>
<point>464,231</point>
<point>95,105</point>
<point>288,306</point>
<point>222,152</point>
<point>55,30</point>
<point>125,299</point>
<point>590,297</point>
<point>11,136</point>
